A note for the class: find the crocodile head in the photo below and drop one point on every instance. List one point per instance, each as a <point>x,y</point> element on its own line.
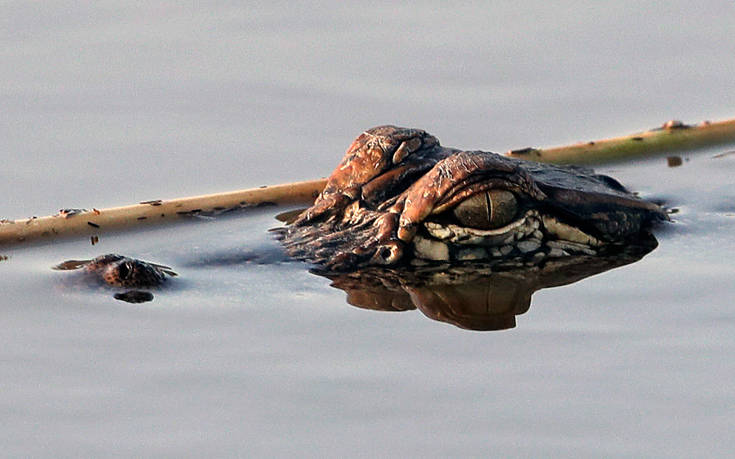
<point>399,198</point>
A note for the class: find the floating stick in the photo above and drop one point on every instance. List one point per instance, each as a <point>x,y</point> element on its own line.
<point>71,222</point>
<point>672,136</point>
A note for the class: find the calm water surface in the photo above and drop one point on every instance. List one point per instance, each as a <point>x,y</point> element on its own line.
<point>239,356</point>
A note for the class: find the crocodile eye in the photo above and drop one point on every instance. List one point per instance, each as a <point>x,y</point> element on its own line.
<point>487,210</point>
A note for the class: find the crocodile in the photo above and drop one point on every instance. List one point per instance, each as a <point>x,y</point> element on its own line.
<point>401,204</point>
<point>399,198</point>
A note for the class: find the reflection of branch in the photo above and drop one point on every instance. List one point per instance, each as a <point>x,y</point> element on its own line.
<point>671,137</point>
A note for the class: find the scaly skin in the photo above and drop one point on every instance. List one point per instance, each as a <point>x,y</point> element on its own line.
<point>393,182</point>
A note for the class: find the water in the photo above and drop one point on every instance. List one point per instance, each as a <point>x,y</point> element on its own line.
<point>112,104</point>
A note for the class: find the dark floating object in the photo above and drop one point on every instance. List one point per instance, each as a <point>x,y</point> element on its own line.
<point>674,161</point>
<point>120,271</point>
<point>134,296</point>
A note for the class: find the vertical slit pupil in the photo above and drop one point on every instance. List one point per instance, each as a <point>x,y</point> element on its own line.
<point>488,207</point>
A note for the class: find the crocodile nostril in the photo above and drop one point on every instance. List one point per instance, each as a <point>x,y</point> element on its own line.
<point>389,253</point>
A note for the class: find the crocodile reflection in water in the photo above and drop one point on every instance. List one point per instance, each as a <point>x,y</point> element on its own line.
<point>398,198</point>
<point>474,296</point>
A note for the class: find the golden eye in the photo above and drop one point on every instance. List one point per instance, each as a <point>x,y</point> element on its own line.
<point>487,210</point>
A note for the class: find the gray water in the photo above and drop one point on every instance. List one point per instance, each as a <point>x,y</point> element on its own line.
<point>110,104</point>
